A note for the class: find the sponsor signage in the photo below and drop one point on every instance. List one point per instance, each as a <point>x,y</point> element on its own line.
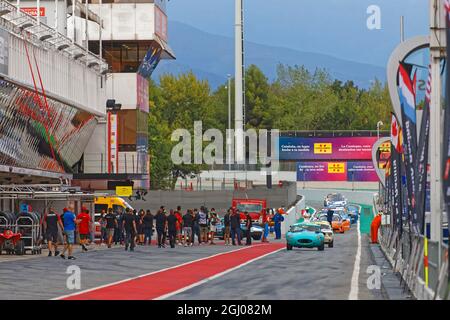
<point>33,11</point>
<point>160,24</point>
<point>113,145</point>
<point>142,93</point>
<point>336,171</point>
<point>124,191</point>
<point>333,148</point>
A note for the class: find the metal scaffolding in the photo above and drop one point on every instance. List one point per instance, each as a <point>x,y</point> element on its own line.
<point>29,28</point>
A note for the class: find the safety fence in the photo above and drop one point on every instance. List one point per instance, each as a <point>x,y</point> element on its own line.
<point>421,263</point>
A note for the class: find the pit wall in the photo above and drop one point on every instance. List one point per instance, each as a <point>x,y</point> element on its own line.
<point>220,200</point>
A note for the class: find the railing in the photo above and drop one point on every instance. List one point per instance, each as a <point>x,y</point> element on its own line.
<point>421,263</point>
<point>128,163</point>
<point>212,184</point>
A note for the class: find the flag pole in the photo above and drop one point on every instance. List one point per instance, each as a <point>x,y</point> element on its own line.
<point>437,43</point>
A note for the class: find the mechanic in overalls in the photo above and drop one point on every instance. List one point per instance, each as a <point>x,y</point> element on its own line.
<point>277,219</point>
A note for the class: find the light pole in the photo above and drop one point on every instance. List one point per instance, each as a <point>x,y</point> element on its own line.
<point>238,84</point>
<point>379,124</point>
<point>229,122</point>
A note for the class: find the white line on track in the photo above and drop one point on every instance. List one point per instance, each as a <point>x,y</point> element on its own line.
<point>196,284</point>
<point>354,287</point>
<point>153,272</point>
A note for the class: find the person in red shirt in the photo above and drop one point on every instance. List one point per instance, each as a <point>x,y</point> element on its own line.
<point>179,222</point>
<point>84,227</point>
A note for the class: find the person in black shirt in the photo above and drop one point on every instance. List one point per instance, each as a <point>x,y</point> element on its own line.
<point>330,214</point>
<point>188,222</point>
<point>196,227</point>
<point>172,228</point>
<point>248,226</point>
<point>118,232</point>
<point>111,225</point>
<point>51,222</point>
<point>161,221</point>
<point>140,226</point>
<point>148,227</point>
<point>129,225</point>
<point>226,225</point>
<point>235,224</point>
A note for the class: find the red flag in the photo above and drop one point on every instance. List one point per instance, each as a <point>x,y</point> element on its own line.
<point>396,134</point>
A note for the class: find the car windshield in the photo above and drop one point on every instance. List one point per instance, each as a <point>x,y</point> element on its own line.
<point>249,207</point>
<point>352,209</point>
<point>325,226</point>
<point>336,197</point>
<point>301,228</point>
<point>128,205</point>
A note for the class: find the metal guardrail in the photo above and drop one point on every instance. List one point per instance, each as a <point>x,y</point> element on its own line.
<point>417,260</point>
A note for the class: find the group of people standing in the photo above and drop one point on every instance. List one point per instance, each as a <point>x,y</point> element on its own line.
<point>133,228</point>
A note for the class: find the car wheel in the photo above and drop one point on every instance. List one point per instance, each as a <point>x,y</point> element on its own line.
<point>331,244</point>
<point>19,249</point>
<point>321,247</point>
<point>288,246</point>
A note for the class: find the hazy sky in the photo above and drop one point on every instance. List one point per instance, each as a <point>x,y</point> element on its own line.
<point>334,27</point>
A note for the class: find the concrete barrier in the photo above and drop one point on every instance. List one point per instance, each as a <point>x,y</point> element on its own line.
<point>220,200</point>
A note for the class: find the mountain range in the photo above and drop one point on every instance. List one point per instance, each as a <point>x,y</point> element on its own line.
<point>211,57</point>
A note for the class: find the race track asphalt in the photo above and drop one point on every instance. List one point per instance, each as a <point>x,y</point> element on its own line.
<point>296,274</point>
<point>292,275</point>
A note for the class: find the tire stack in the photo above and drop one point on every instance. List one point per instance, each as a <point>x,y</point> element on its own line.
<point>10,219</point>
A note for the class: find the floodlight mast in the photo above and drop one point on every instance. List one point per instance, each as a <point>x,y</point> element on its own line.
<point>239,97</point>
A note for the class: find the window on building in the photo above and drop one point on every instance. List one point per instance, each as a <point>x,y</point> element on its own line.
<point>127,127</point>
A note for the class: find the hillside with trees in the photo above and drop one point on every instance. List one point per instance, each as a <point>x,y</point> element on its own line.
<point>296,100</point>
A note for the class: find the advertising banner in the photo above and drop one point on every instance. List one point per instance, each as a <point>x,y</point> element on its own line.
<point>422,159</point>
<point>142,93</point>
<point>124,191</point>
<point>160,23</point>
<point>150,62</point>
<point>406,90</point>
<point>333,148</point>
<point>361,171</point>
<point>336,171</point>
<point>113,146</point>
<point>397,211</point>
